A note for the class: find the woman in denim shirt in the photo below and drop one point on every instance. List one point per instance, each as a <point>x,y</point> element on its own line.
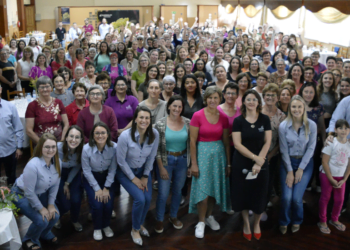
<point>297,137</point>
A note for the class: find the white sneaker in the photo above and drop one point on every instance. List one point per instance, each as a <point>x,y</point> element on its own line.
<point>230,212</point>
<point>199,233</point>
<point>318,189</point>
<point>113,214</point>
<point>98,235</point>
<point>108,232</point>
<point>270,204</point>
<point>264,216</point>
<point>212,223</point>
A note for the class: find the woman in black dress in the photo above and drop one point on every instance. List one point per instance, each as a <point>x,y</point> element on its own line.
<point>251,135</point>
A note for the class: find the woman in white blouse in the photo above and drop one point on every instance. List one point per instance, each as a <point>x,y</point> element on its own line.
<point>23,68</point>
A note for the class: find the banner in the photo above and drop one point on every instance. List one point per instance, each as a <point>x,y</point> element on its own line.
<point>65,16</point>
<point>114,15</point>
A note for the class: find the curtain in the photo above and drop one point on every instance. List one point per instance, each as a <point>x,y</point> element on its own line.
<point>245,20</point>
<point>251,12</point>
<point>330,15</point>
<point>282,12</point>
<point>287,22</point>
<point>227,18</point>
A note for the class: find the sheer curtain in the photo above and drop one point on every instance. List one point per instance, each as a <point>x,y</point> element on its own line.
<point>244,20</point>
<point>288,25</point>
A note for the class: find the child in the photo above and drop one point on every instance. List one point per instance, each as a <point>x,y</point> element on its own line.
<point>335,171</point>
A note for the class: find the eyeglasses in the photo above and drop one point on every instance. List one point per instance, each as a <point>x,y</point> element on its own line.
<point>48,147</point>
<point>103,83</point>
<point>168,84</point>
<point>74,137</point>
<point>271,96</point>
<point>100,133</point>
<point>44,87</point>
<point>96,94</point>
<point>251,100</point>
<point>231,93</point>
<point>143,61</point>
<point>139,39</point>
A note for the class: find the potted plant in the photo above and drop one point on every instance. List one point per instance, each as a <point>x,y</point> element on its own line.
<point>7,198</point>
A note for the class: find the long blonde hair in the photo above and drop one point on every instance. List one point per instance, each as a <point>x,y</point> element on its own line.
<point>178,59</point>
<point>305,119</point>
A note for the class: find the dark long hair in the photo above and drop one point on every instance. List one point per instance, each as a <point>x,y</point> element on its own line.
<point>289,76</point>
<point>19,51</point>
<point>183,93</point>
<point>119,78</point>
<point>78,150</point>
<point>257,96</point>
<point>296,59</point>
<point>149,132</point>
<point>107,52</point>
<point>176,68</point>
<point>92,142</point>
<point>273,64</point>
<point>195,66</point>
<point>147,77</point>
<point>314,103</point>
<point>344,79</point>
<point>240,65</point>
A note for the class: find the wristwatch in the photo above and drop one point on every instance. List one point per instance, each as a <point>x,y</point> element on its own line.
<point>145,176</point>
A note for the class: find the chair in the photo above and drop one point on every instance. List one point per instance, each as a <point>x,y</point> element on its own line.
<point>15,93</point>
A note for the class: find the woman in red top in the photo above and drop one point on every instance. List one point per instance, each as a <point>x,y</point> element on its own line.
<point>78,57</point>
<point>46,114</point>
<point>79,91</point>
<point>60,60</point>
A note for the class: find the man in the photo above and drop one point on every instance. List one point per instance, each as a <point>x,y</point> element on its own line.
<point>61,34</point>
<point>104,28</point>
<point>87,27</point>
<point>331,62</point>
<point>74,32</point>
<point>309,73</point>
<point>319,67</point>
<point>8,77</point>
<point>11,138</point>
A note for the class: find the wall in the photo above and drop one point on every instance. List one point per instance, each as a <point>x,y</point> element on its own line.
<point>12,17</point>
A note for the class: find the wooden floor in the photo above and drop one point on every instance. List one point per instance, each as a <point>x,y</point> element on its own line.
<point>228,237</point>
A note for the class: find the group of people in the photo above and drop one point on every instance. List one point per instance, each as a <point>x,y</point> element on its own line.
<point>244,115</point>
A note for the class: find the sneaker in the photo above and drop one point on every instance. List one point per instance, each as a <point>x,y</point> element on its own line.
<point>159,227</point>
<point>113,214</point>
<point>309,189</point>
<point>176,223</point>
<point>155,185</point>
<point>230,212</point>
<point>108,232</point>
<point>58,225</point>
<point>270,204</point>
<point>199,233</point>
<point>183,199</point>
<point>78,227</point>
<point>89,217</point>
<point>212,223</point>
<point>264,216</point>
<point>98,235</point>
<point>318,189</point>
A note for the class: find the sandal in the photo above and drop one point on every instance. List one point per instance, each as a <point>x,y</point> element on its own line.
<point>340,226</point>
<point>51,242</point>
<point>323,229</point>
<point>26,247</point>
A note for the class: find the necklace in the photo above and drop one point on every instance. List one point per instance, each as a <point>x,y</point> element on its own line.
<point>252,126</point>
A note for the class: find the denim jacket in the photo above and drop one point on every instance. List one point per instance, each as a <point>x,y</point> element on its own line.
<point>161,127</point>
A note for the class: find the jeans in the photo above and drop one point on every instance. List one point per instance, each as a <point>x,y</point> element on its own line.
<point>39,229</point>
<point>291,210</point>
<point>101,212</point>
<point>10,163</point>
<point>142,199</point>
<point>63,44</point>
<point>338,197</point>
<point>177,171</point>
<point>63,204</point>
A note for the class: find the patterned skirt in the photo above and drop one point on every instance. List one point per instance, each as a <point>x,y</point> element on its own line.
<point>212,181</point>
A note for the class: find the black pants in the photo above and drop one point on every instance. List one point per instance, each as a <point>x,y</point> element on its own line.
<point>26,87</point>
<point>6,87</point>
<point>273,170</point>
<point>347,193</point>
<point>10,163</point>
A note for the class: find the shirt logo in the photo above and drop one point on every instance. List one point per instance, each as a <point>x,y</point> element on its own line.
<point>261,129</point>
<point>128,107</point>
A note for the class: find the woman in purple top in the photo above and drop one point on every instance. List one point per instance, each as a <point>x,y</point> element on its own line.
<point>40,69</point>
<point>123,105</point>
<point>114,69</point>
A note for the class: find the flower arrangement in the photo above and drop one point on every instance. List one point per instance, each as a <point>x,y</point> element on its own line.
<point>7,198</point>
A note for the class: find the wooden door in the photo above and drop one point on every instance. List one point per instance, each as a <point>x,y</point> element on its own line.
<point>30,18</point>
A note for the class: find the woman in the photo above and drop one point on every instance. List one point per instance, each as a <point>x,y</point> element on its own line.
<point>284,97</point>
<point>121,51</point>
<point>181,55</point>
<point>13,46</point>
<point>78,58</point>
<point>327,95</point>
<point>97,112</point>
<point>79,91</point>
<point>20,48</point>
<point>235,69</point>
<point>266,61</point>
<point>168,88</point>
<point>46,50</point>
<point>130,64</point>
<point>90,79</point>
<point>123,105</point>
<point>218,59</point>
<point>239,50</point>
<point>251,135</point>
<point>60,61</point>
<point>258,50</point>
<point>102,58</point>
<point>36,190</point>
<point>91,55</point>
<point>56,44</point>
<point>253,71</point>
<point>344,88</point>
<point>199,66</point>
<point>162,69</point>
<point>139,75</point>
<point>246,63</point>
<point>66,96</point>
<point>68,78</point>
<point>289,83</point>
<point>24,65</point>
<point>292,44</point>
<point>346,69</point>
<point>296,73</point>
<point>153,103</point>
<point>69,194</point>
<point>220,74</point>
<point>169,68</point>
<point>261,82</point>
<point>114,69</point>
<point>226,48</point>
<point>244,83</point>
<point>46,114</point>
<point>192,53</point>
<point>281,74</point>
<point>273,68</point>
<point>137,148</point>
<point>204,56</point>
<point>104,81</point>
<point>337,77</point>
<point>99,166</point>
<point>292,57</point>
<point>210,161</point>
<point>307,61</point>
<point>35,47</point>
<point>297,163</point>
<point>79,74</point>
<point>151,73</point>
<point>173,160</point>
<point>270,96</point>
<point>191,94</point>
<point>40,69</point>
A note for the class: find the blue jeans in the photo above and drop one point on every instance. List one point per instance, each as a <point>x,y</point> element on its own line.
<point>101,212</point>
<point>142,199</point>
<point>63,204</point>
<point>177,171</point>
<point>291,210</point>
<point>63,43</point>
<point>39,229</point>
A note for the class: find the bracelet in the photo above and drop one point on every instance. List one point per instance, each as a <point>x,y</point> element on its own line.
<point>66,183</point>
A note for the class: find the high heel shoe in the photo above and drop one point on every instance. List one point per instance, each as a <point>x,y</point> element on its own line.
<point>247,236</point>
<point>144,232</point>
<point>137,241</point>
<point>257,236</point>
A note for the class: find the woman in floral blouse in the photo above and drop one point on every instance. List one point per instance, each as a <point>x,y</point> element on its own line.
<point>41,68</point>
<point>46,114</point>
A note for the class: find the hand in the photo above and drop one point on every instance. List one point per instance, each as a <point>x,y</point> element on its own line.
<point>138,183</point>
<point>13,84</point>
<point>66,191</point>
<point>144,182</point>
<point>45,214</point>
<point>18,153</point>
<point>99,195</point>
<point>329,139</point>
<point>256,169</point>
<point>228,171</point>
<point>105,194</point>
<point>52,211</point>
<point>333,182</point>
<point>290,179</point>
<point>194,170</point>
<point>120,131</point>
<point>298,175</point>
<point>340,183</point>
<point>259,160</point>
<point>163,173</point>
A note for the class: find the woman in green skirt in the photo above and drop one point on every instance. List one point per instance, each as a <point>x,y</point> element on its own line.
<point>210,157</point>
